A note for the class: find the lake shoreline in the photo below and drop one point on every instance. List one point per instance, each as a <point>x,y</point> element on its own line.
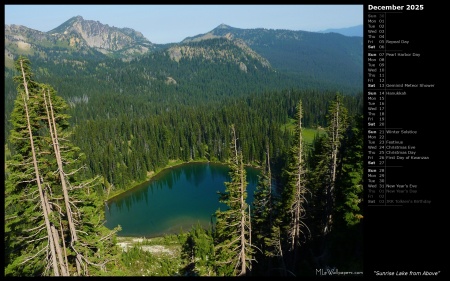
<point>152,174</point>
<point>191,206</point>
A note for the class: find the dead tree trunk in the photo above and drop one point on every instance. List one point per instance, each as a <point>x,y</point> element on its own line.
<point>335,138</point>
<point>38,181</point>
<point>243,222</point>
<point>54,137</point>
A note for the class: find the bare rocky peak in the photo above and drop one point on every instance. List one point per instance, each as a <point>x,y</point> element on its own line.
<point>102,36</point>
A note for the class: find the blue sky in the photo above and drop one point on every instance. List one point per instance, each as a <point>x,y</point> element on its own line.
<point>172,23</point>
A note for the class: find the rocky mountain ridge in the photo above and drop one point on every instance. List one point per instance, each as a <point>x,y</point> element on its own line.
<point>89,48</point>
<point>77,35</point>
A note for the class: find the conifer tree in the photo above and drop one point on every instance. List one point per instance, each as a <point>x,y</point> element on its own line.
<point>294,193</point>
<point>54,224</point>
<point>262,212</point>
<point>337,125</point>
<point>233,249</point>
<point>349,196</point>
<point>324,179</point>
<point>198,251</point>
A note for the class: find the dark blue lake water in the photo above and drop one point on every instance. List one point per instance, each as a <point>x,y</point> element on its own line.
<point>177,198</point>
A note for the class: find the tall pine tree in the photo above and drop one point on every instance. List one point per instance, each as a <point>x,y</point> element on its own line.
<point>337,125</point>
<point>54,223</point>
<point>294,193</point>
<point>262,213</point>
<point>326,165</point>
<point>349,197</point>
<point>31,237</point>
<point>233,249</point>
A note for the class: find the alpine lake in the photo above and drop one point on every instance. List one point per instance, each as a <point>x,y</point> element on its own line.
<point>174,200</point>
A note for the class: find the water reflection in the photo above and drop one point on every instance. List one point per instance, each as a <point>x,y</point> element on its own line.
<point>176,198</point>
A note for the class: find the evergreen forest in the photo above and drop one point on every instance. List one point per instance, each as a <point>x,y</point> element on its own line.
<point>76,139</point>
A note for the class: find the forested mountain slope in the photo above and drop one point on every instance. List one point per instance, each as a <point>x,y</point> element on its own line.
<point>185,95</point>
<point>328,57</point>
<point>86,61</point>
<point>235,96</point>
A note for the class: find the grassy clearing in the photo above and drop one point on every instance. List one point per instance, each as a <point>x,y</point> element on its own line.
<point>307,133</point>
<point>159,256</point>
